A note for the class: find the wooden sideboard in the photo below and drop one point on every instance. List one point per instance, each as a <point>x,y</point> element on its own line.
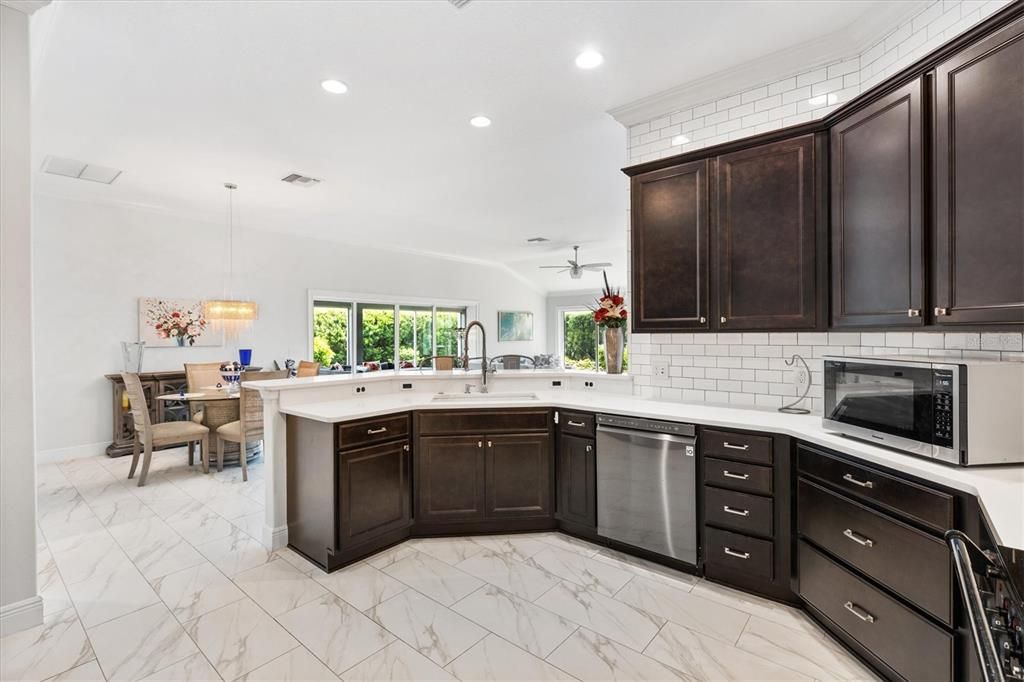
<point>153,384</point>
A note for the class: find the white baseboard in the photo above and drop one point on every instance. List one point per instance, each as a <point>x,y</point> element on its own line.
<point>73,452</point>
<point>275,538</point>
<point>21,615</point>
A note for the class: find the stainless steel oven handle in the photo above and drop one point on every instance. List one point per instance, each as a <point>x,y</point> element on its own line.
<point>738,512</point>
<point>863,484</point>
<point>738,477</point>
<point>859,612</point>
<point>861,540</point>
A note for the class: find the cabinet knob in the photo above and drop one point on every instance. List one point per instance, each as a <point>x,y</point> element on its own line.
<point>479,443</point>
<point>703,319</point>
<point>939,312</point>
<point>914,312</point>
<point>590,448</point>
<point>723,319</point>
<point>489,444</point>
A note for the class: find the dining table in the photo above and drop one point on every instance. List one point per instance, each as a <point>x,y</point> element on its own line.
<point>219,406</point>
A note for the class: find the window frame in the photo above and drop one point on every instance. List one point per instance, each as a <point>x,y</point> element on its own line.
<point>354,301</point>
<point>560,333</point>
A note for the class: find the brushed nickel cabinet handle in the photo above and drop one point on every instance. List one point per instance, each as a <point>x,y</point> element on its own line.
<point>703,320</point>
<point>374,432</point>
<point>914,312</point>
<point>489,444</point>
<point>723,319</point>
<point>738,512</point>
<point>861,540</point>
<point>576,424</point>
<point>859,612</point>
<point>590,448</point>
<point>738,555</point>
<point>406,447</point>
<point>939,312</point>
<point>863,484</point>
<point>479,443</point>
<point>729,445</point>
<point>739,477</point>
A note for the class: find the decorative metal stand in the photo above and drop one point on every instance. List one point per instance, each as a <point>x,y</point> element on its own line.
<point>792,408</point>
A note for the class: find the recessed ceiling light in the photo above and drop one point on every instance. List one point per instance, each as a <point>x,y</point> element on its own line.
<point>479,121</point>
<point>679,139</point>
<point>334,87</point>
<point>589,59</point>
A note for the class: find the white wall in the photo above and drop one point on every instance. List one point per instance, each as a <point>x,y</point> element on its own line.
<point>20,606</point>
<point>93,262</point>
<point>749,368</point>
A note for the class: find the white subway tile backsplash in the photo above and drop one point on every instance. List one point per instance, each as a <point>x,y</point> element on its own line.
<point>782,86</point>
<point>1008,341</point>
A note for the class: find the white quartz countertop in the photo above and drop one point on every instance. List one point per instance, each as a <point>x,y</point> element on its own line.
<point>999,488</point>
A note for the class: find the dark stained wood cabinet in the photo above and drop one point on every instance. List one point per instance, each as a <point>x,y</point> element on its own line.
<point>374,493</point>
<point>450,482</point>
<point>978,273</point>
<point>765,265</point>
<point>518,476</point>
<point>577,480</point>
<point>670,225</point>
<point>878,202</point>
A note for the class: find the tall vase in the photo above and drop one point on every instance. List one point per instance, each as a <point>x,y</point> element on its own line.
<point>613,350</point>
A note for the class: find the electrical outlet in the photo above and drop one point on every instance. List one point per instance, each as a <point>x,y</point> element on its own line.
<point>659,367</point>
<point>800,379</point>
<point>358,390</point>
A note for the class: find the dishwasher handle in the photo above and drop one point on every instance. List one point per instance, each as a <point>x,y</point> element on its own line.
<point>618,431</point>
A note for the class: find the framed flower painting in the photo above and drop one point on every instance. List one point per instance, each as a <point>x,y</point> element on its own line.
<point>176,322</point>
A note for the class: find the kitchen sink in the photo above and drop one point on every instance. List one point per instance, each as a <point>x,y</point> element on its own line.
<point>496,397</point>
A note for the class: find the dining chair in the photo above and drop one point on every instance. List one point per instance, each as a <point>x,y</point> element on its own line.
<point>149,436</point>
<point>307,368</point>
<point>199,376</point>
<point>249,427</point>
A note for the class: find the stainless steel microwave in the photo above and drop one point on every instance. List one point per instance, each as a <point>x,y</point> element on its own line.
<point>961,412</point>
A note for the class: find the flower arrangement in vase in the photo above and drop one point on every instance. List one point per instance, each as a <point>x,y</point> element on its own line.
<point>181,324</point>
<point>611,316</point>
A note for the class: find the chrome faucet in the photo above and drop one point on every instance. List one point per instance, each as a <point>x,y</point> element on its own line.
<point>464,335</point>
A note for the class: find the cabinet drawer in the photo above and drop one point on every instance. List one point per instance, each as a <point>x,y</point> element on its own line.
<point>906,642</point>
<point>369,431</point>
<point>749,478</point>
<point>924,505</point>
<point>738,511</point>
<point>481,422</point>
<point>576,423</point>
<point>908,561</point>
<point>737,553</point>
<point>743,447</point>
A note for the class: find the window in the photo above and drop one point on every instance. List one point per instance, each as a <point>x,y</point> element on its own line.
<point>581,341</point>
<point>347,332</point>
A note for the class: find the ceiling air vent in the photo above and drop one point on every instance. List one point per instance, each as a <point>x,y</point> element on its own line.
<point>459,4</point>
<point>79,170</point>
<point>300,180</point>
<point>537,240</point>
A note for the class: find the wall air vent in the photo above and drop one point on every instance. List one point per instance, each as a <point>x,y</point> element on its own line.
<point>300,180</point>
<point>459,4</point>
<point>70,168</point>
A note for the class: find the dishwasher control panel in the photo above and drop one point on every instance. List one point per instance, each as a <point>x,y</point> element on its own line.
<point>640,424</point>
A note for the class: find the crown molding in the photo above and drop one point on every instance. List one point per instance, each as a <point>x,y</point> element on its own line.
<point>25,6</point>
<point>845,43</point>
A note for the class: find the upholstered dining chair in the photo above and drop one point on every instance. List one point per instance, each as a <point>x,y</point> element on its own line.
<point>149,435</point>
<point>249,427</point>
<point>200,375</point>
<point>308,368</point>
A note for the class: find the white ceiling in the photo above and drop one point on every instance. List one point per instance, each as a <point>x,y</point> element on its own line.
<point>183,96</point>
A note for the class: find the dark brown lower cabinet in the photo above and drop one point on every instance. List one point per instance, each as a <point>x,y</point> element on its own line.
<point>374,494</point>
<point>519,473</point>
<point>577,480</point>
<point>450,478</point>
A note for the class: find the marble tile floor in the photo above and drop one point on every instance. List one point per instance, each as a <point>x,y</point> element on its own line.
<point>170,582</point>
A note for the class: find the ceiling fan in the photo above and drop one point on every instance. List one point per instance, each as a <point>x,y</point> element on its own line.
<point>574,267</point>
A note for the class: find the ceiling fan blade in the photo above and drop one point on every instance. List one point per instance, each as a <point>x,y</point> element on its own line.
<point>596,265</point>
<point>551,267</point>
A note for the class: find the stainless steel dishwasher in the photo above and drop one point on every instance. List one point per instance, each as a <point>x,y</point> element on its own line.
<point>646,485</point>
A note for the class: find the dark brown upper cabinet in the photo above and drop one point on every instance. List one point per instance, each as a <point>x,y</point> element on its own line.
<point>766,235</point>
<point>878,206</point>
<point>978,251</point>
<point>670,248</point>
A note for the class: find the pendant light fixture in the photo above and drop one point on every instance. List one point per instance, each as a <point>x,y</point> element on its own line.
<point>230,314</point>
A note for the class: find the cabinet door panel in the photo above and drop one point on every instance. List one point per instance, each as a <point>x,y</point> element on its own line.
<point>979,173</point>
<point>877,212</point>
<point>519,476</point>
<point>373,491</point>
<point>450,478</point>
<point>766,241</point>
<point>577,480</point>
<point>670,248</point>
